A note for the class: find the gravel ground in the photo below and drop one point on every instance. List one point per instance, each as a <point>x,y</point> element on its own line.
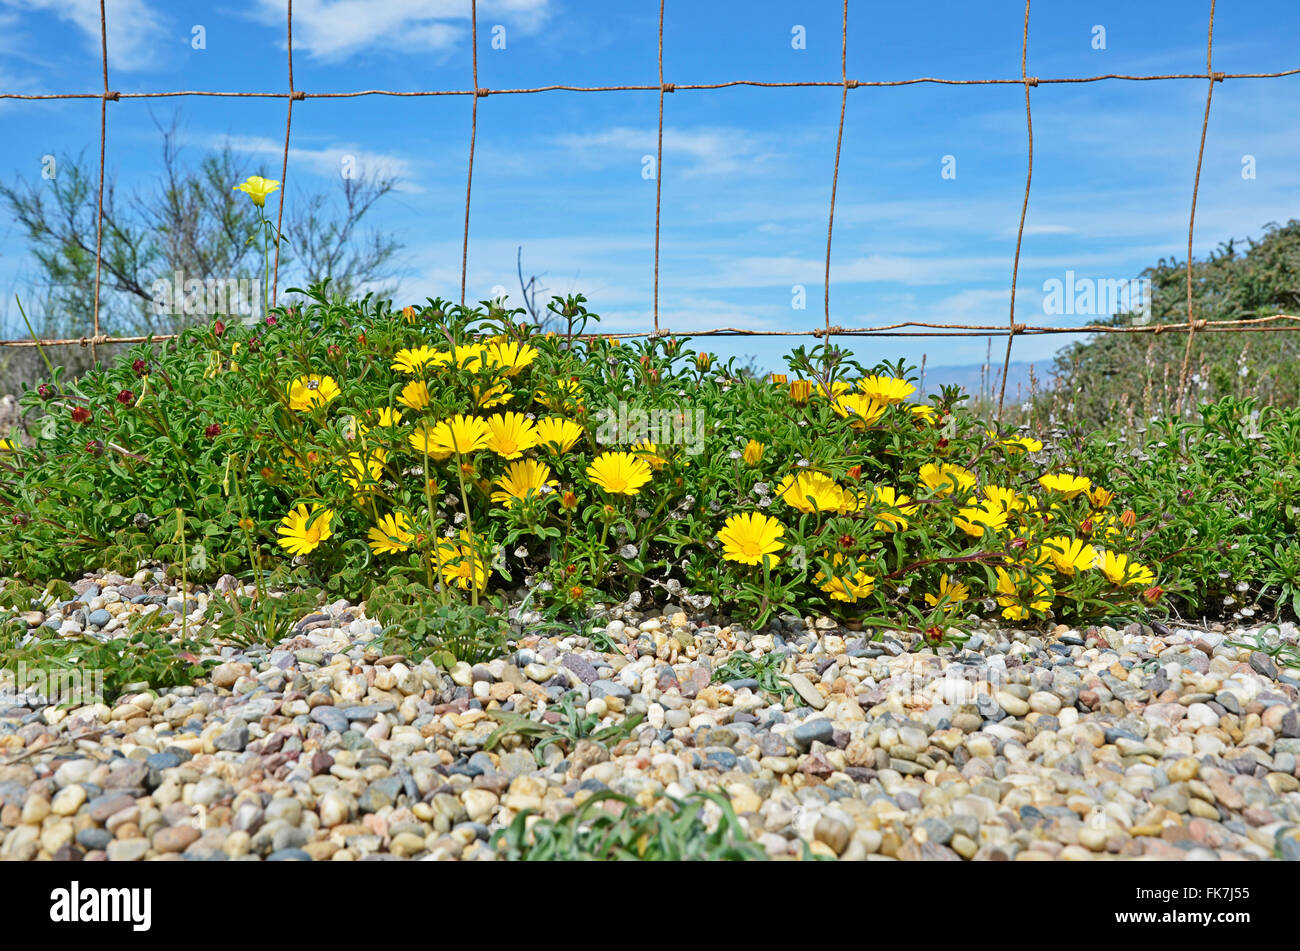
<point>1065,744</point>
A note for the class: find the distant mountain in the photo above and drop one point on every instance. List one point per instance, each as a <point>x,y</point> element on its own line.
<point>974,375</point>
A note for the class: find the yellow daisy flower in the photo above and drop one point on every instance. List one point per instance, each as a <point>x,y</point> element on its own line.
<point>848,589</point>
<point>302,530</point>
<point>1067,554</point>
<point>460,434</point>
<point>751,537</point>
<point>1067,485</point>
<point>859,409</point>
<point>413,362</point>
<point>946,478</point>
<point>891,498</point>
<point>521,480</point>
<point>392,535</point>
<point>951,593</point>
<point>557,433</point>
<point>415,395</point>
<point>364,469</point>
<point>459,563</point>
<point>311,390</point>
<point>511,356</point>
<point>886,389</point>
<point>1119,570</point>
<point>511,434</point>
<point>811,492</point>
<point>619,473</point>
<point>753,453</point>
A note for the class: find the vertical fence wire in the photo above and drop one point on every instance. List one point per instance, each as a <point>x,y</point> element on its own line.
<point>473,135</point>
<point>99,205</point>
<point>1191,224</point>
<point>284,167</point>
<point>835,174</point>
<point>659,161</point>
<point>1013,328</point>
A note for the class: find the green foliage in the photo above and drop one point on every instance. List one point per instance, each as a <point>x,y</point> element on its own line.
<point>765,668</point>
<point>1220,499</point>
<point>1118,382</point>
<point>673,831</point>
<point>422,623</point>
<point>144,654</point>
<point>573,725</point>
<point>244,620</point>
<point>200,451</point>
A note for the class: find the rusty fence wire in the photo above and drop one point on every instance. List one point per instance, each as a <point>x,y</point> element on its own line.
<point>1191,326</point>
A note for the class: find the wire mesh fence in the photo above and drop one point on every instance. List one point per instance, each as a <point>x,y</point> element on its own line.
<point>1190,326</point>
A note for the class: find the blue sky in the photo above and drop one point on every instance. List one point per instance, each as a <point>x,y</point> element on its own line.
<point>746,172</point>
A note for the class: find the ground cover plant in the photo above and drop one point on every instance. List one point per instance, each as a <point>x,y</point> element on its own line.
<point>442,457</point>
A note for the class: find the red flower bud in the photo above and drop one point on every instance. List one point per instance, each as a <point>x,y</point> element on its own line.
<point>213,431</point>
<point>139,366</point>
<point>271,321</point>
<point>80,414</point>
<point>95,448</point>
<point>218,328</point>
<point>126,397</point>
<point>44,391</point>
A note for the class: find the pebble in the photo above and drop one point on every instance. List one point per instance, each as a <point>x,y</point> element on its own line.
<point>1059,744</point>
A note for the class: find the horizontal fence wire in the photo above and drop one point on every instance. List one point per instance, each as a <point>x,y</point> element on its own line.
<point>1191,326</point>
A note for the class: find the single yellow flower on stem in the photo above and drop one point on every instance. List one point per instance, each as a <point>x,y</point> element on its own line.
<point>415,395</point>
<point>1067,555</point>
<point>811,492</point>
<point>522,479</point>
<point>460,434</point>
<point>511,434</point>
<point>392,535</point>
<point>1067,485</point>
<point>413,361</point>
<point>886,389</point>
<point>751,539</point>
<point>951,593</point>
<point>800,390</point>
<point>846,588</point>
<point>753,453</point>
<point>1119,570</point>
<point>554,432</point>
<point>619,473</point>
<point>312,390</point>
<point>257,188</point>
<point>460,563</point>
<point>302,530</point>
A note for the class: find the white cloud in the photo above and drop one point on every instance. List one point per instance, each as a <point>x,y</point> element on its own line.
<point>328,161</point>
<point>135,30</point>
<point>331,30</point>
<point>709,151</point>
